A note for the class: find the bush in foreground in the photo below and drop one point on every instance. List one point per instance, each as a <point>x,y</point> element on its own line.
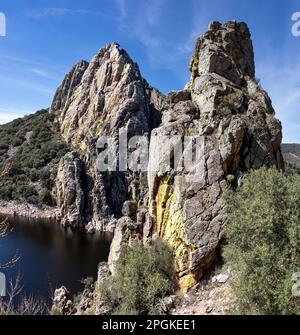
<point>264,242</point>
<point>144,275</point>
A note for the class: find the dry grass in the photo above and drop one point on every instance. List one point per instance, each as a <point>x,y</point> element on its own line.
<point>25,306</point>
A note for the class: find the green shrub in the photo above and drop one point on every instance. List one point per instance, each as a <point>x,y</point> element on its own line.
<point>264,242</point>
<point>291,169</point>
<point>143,277</point>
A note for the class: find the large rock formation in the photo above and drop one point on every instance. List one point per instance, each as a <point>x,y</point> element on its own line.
<point>101,99</point>
<point>225,107</point>
<point>223,113</point>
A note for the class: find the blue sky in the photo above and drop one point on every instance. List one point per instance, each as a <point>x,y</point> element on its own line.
<point>45,38</point>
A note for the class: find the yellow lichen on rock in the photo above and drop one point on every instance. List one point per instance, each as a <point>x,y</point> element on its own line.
<point>187,282</point>
<point>170,227</point>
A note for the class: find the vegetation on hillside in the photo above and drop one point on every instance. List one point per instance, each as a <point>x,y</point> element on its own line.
<point>30,149</point>
<point>291,148</point>
<point>144,275</point>
<point>291,154</point>
<point>263,242</point>
<point>291,169</point>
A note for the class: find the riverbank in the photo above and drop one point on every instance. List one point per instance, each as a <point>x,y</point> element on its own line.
<point>28,211</point>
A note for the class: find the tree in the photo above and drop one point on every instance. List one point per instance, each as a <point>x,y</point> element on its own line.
<point>263,242</point>
<point>144,275</point>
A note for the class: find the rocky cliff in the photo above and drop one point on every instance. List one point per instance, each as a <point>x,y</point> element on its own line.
<point>101,99</point>
<point>223,106</point>
<point>226,107</point>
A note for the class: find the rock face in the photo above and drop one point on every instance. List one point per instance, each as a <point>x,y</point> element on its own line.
<point>70,194</point>
<point>227,109</point>
<point>100,99</point>
<point>70,83</point>
<point>223,117</point>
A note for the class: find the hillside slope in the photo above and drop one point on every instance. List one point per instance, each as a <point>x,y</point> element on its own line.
<point>30,150</point>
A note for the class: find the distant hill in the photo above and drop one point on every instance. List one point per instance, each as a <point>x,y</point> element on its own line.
<point>291,154</point>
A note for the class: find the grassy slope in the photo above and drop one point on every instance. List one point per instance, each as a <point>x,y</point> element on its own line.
<point>30,150</point>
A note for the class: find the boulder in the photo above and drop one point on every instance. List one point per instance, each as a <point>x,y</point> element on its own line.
<point>62,303</point>
<point>221,278</point>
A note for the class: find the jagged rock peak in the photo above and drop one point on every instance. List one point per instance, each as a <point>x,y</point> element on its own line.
<point>92,96</point>
<point>226,50</point>
<point>114,51</point>
<point>107,95</point>
<point>232,117</point>
<point>70,83</point>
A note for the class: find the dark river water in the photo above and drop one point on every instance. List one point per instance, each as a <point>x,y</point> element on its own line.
<point>52,256</point>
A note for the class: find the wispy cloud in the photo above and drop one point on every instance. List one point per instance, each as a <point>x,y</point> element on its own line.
<point>149,23</point>
<point>42,13</point>
<point>145,22</point>
<point>43,73</point>
<point>280,79</point>
<point>41,68</point>
<point>10,114</point>
<point>26,84</point>
<point>144,26</point>
<point>121,5</point>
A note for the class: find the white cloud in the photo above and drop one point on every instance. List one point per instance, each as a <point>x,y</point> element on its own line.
<point>42,73</point>
<point>10,114</point>
<point>41,13</point>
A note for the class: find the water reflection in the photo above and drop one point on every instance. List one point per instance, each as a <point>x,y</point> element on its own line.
<point>51,255</point>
